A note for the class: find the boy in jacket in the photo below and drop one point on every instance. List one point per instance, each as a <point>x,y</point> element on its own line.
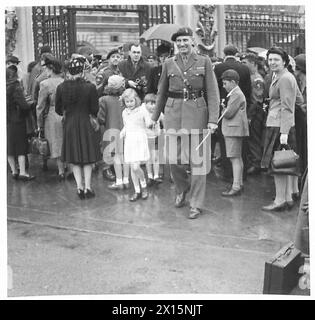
<point>234,128</point>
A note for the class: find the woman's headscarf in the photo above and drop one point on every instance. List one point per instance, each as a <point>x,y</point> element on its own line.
<point>76,66</point>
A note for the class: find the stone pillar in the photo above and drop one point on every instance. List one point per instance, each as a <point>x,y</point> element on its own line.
<point>24,49</point>
<point>219,20</point>
<point>185,15</point>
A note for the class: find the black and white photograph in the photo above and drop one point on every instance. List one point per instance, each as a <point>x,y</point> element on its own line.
<point>156,149</point>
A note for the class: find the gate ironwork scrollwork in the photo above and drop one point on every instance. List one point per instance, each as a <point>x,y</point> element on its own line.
<point>56,25</point>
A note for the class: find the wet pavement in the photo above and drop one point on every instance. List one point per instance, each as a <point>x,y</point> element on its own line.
<point>58,244</point>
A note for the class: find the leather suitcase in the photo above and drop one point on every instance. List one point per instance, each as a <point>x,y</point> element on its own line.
<point>282,270</point>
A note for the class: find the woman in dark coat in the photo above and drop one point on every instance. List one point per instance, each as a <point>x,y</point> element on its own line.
<point>17,109</point>
<point>76,101</point>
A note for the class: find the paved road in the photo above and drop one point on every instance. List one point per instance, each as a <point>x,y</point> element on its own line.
<point>60,245</point>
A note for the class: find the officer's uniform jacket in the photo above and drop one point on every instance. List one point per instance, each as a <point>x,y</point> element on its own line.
<point>193,113</point>
<point>103,76</point>
<point>234,122</point>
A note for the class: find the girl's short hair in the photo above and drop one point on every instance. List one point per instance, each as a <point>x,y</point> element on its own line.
<point>150,97</point>
<point>130,93</point>
<point>283,54</point>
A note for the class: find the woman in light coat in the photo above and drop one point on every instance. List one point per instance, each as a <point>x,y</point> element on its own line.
<point>280,129</point>
<point>48,121</point>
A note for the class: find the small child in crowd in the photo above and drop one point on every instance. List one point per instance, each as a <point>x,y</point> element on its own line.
<point>234,128</point>
<point>152,165</point>
<point>110,115</point>
<point>136,149</point>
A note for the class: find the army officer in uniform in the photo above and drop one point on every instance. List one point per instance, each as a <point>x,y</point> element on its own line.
<point>189,92</point>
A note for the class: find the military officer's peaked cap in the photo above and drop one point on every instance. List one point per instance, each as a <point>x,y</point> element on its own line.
<point>182,32</point>
<point>230,75</point>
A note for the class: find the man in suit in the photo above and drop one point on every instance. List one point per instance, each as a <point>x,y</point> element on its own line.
<point>255,114</point>
<point>163,51</point>
<point>188,90</point>
<point>230,62</point>
<point>136,71</point>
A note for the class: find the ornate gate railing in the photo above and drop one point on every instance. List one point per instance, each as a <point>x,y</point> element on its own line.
<point>56,26</point>
<point>265,26</point>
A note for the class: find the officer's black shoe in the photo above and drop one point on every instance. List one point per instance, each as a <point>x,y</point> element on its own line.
<point>144,194</point>
<point>194,213</point>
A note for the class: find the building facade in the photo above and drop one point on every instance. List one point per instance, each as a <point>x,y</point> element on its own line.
<point>102,27</point>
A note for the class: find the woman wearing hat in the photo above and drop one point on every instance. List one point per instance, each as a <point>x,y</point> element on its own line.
<point>48,121</point>
<point>280,128</point>
<point>76,99</point>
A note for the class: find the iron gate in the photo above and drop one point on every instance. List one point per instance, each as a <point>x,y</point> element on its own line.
<point>265,26</point>
<point>56,26</point>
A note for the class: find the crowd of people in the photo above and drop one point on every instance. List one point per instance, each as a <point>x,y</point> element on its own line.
<point>139,114</point>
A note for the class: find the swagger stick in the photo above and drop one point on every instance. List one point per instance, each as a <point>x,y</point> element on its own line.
<point>207,135</point>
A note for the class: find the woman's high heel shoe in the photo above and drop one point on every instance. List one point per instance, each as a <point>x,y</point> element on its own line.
<point>80,194</point>
<point>275,207</point>
<point>89,194</point>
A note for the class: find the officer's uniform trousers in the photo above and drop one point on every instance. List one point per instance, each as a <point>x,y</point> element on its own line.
<point>181,155</point>
<point>186,119</point>
<point>254,148</point>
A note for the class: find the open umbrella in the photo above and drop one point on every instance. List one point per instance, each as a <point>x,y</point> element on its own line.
<point>164,31</point>
<point>257,50</point>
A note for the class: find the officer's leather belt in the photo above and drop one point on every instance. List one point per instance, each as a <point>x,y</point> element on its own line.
<point>186,95</point>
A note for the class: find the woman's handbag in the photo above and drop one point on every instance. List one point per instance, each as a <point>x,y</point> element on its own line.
<point>39,146</point>
<point>285,161</point>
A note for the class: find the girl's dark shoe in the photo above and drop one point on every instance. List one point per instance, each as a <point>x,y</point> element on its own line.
<point>26,178</point>
<point>135,197</point>
<point>61,177</point>
<point>126,185</point>
<point>89,194</point>
<point>80,193</point>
